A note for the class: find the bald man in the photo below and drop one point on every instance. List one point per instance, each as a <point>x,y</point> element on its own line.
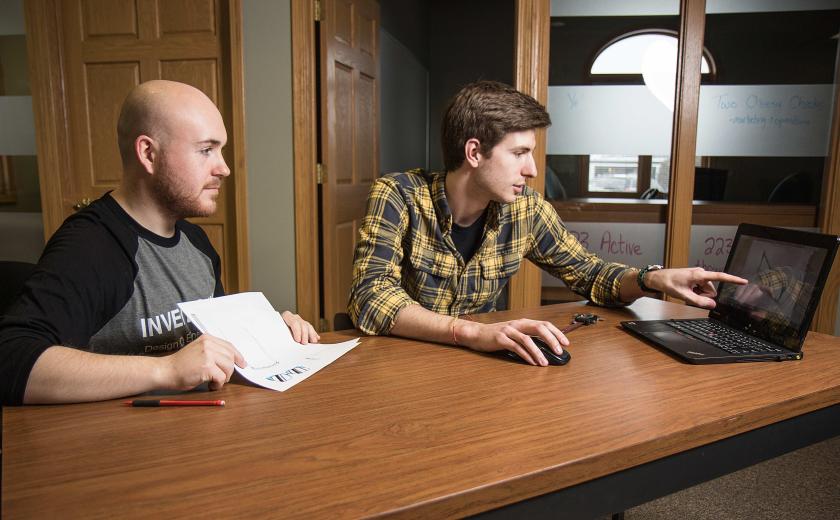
<point>104,295</point>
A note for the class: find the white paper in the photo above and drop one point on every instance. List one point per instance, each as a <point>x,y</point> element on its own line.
<point>250,323</point>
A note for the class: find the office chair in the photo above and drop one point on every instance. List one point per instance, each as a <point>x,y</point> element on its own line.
<point>342,321</point>
<point>796,187</point>
<point>12,277</point>
<point>650,193</point>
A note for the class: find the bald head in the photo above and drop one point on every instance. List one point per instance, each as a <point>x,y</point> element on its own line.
<point>153,108</point>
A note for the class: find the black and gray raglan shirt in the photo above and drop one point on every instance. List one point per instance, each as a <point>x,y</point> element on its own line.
<point>107,285</point>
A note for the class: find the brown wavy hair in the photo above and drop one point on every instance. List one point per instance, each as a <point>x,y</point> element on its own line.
<point>487,111</point>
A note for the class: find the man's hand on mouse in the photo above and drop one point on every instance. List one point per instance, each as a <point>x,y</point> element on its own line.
<point>512,335</point>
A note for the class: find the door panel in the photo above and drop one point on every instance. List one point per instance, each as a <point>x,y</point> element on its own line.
<point>366,163</point>
<point>345,236</point>
<point>107,85</point>
<point>367,32</point>
<point>106,47</point>
<point>349,138</point>
<point>109,18</point>
<point>187,16</point>
<point>201,74</point>
<point>342,21</point>
<point>342,129</point>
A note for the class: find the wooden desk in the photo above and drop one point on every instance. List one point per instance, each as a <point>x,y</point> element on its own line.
<point>408,429</point>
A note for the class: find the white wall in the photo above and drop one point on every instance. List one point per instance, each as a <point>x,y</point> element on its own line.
<point>268,138</point>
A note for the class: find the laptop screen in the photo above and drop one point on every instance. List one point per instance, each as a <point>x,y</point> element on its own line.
<point>778,303</point>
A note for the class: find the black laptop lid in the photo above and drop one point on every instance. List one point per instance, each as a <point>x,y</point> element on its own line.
<point>787,270</point>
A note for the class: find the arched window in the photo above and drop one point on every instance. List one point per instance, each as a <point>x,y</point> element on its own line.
<point>648,56</point>
<point>640,52</point>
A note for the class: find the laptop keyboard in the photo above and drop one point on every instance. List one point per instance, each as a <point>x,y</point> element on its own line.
<point>721,336</point>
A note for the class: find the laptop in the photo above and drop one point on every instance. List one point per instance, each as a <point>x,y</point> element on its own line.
<point>766,320</point>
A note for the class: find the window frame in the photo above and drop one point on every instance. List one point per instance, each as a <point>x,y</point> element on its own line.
<point>643,174</point>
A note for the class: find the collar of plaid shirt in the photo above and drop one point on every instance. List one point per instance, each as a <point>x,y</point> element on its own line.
<point>437,189</point>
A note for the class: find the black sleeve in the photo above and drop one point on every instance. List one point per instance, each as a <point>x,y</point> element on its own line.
<point>199,238</point>
<point>84,277</point>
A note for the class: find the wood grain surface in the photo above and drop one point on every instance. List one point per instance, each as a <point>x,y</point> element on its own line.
<point>404,428</point>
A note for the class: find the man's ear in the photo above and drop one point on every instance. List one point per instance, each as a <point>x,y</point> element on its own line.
<point>472,152</point>
<point>146,150</point>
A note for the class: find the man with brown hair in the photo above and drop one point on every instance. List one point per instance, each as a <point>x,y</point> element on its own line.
<point>437,246</point>
<point>107,287</point>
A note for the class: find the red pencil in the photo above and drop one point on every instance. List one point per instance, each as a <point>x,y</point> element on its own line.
<point>172,402</point>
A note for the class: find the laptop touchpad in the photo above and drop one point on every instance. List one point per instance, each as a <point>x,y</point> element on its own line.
<point>670,336</point>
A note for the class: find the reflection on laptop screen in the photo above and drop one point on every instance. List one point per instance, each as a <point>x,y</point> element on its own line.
<point>782,278</point>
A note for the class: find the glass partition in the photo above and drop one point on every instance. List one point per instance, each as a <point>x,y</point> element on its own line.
<point>21,223</point>
<point>611,98</point>
<point>764,118</point>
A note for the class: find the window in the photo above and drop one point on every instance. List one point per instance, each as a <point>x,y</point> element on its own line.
<point>640,52</point>
<point>648,56</point>
<point>615,173</point>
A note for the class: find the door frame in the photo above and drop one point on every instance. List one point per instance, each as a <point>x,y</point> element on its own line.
<point>305,152</point>
<point>43,47</point>
<point>530,75</point>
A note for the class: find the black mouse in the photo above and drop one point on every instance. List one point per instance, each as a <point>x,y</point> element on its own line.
<point>552,358</point>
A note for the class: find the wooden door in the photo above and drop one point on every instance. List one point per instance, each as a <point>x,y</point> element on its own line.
<point>349,137</point>
<point>97,51</point>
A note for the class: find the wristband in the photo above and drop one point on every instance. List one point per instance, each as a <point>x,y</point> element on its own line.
<point>455,323</point>
<point>452,328</point>
<point>640,279</point>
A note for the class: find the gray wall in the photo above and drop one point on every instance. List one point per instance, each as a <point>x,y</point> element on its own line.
<point>11,16</point>
<point>268,137</point>
<point>403,107</point>
<point>408,22</point>
<point>403,85</point>
<point>462,52</point>
<point>431,35</point>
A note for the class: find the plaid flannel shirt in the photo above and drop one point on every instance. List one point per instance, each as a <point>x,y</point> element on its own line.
<point>405,254</point>
<point>782,285</point>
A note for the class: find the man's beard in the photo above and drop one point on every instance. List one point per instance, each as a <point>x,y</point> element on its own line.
<point>176,199</point>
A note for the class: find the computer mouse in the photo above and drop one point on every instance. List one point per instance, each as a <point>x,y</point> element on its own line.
<point>552,358</point>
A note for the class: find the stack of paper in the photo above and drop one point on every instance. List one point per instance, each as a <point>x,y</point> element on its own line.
<point>250,323</point>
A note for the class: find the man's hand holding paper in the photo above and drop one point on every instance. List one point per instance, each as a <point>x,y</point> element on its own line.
<point>208,359</point>
<point>264,339</point>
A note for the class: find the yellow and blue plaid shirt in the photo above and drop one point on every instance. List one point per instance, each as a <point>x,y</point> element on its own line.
<point>405,254</point>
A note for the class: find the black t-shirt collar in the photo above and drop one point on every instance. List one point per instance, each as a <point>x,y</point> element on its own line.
<point>152,237</point>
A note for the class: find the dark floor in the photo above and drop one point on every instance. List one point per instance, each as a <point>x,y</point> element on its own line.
<point>803,484</point>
